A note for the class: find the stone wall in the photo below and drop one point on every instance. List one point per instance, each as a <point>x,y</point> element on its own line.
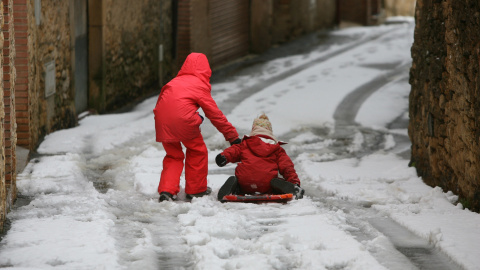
<point>445,97</point>
<point>33,84</point>
<point>3,197</point>
<point>9,77</point>
<point>52,44</point>
<point>278,21</point>
<point>293,18</point>
<point>8,137</point>
<point>132,35</point>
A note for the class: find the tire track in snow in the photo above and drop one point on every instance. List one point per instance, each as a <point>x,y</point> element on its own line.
<point>347,110</point>
<point>146,233</point>
<point>418,251</point>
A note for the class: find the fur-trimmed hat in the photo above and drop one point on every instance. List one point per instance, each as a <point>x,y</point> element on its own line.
<point>262,121</point>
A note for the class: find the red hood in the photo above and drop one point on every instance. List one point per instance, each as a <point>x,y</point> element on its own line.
<point>260,148</point>
<point>197,65</point>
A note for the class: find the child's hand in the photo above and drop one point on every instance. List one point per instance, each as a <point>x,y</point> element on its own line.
<point>221,160</point>
<point>236,141</point>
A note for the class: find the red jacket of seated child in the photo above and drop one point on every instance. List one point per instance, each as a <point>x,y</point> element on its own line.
<point>260,158</point>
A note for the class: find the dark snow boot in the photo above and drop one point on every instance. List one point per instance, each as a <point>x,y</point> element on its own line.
<point>229,187</point>
<point>201,194</point>
<point>281,186</point>
<point>165,196</point>
<point>298,192</point>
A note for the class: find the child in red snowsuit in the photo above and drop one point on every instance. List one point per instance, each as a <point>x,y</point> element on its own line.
<point>178,122</point>
<point>261,158</point>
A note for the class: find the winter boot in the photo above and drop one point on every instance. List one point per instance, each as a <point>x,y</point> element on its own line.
<point>165,196</point>
<point>201,194</point>
<point>229,187</point>
<point>298,192</point>
<point>282,186</point>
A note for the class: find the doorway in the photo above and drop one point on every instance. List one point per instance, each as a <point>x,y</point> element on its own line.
<point>81,56</point>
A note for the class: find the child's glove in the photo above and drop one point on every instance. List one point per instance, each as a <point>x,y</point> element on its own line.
<point>221,160</point>
<point>236,141</point>
<point>298,192</point>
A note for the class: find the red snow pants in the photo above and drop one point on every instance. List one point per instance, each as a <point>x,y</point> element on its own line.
<point>196,166</point>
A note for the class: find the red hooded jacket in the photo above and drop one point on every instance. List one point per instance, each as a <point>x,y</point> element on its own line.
<point>176,116</point>
<point>260,162</point>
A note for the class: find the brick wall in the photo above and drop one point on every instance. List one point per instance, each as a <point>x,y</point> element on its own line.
<point>21,66</point>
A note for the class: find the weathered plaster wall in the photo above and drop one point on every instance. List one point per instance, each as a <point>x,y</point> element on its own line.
<point>445,97</point>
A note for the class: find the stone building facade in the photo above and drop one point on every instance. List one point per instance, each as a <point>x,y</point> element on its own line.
<point>445,97</point>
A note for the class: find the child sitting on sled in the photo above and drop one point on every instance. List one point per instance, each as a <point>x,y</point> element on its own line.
<point>260,159</point>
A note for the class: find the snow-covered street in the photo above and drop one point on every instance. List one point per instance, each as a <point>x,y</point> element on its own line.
<point>89,199</point>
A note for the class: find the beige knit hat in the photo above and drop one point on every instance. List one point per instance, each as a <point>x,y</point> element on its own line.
<point>262,121</point>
